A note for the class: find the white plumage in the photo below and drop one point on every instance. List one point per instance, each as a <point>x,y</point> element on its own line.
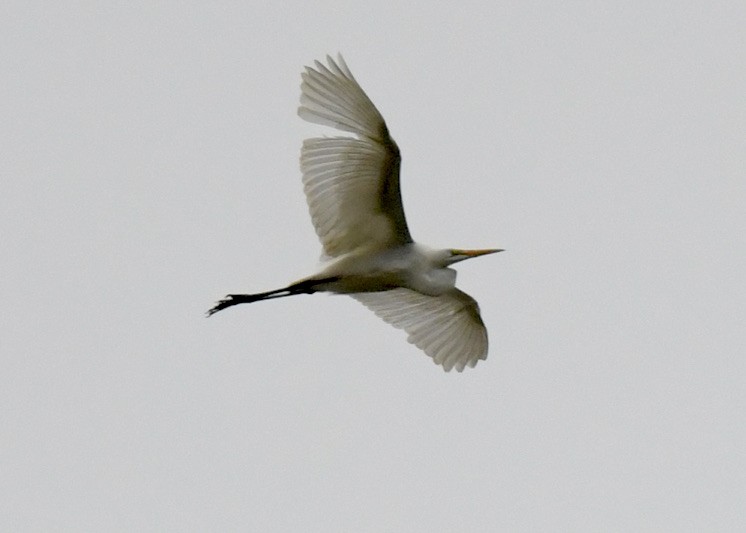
<point>448,327</point>
<point>354,198</point>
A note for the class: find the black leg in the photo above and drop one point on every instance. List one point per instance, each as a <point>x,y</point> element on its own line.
<point>302,287</point>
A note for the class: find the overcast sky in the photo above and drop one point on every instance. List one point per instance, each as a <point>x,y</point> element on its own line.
<point>149,166</point>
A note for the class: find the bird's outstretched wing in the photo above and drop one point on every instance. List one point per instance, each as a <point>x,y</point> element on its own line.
<point>448,327</point>
<point>351,184</point>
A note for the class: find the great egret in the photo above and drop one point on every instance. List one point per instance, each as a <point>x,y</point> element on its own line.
<point>352,189</point>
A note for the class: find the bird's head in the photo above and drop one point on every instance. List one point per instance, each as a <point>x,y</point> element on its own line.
<point>454,256</point>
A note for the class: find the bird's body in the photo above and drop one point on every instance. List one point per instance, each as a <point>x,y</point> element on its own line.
<point>410,265</point>
<point>352,188</point>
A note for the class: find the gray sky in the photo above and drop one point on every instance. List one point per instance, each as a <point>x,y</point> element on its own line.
<point>150,166</point>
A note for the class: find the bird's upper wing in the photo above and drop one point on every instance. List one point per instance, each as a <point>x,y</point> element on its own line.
<point>448,327</point>
<point>351,184</point>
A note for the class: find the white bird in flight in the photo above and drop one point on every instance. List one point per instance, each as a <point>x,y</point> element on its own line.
<point>352,189</point>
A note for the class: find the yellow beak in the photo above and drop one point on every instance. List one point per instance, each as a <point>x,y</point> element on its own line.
<point>477,253</point>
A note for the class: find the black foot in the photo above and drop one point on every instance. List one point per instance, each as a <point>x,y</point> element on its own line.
<point>228,301</point>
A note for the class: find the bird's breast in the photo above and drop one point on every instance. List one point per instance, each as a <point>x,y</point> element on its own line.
<point>433,281</point>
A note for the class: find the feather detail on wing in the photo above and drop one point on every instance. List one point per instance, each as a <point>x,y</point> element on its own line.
<point>448,327</point>
<point>351,184</point>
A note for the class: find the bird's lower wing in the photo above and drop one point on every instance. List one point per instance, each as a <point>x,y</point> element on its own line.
<point>448,327</point>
